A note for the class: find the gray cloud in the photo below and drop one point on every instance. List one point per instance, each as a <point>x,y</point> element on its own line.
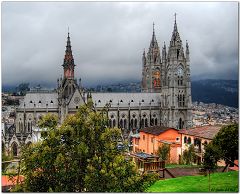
<point>108,38</point>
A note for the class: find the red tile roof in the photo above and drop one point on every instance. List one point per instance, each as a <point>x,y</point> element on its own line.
<point>156,130</point>
<point>207,132</point>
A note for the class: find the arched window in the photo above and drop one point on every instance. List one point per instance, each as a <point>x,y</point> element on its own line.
<point>185,139</point>
<point>155,121</point>
<point>110,123</point>
<point>180,123</point>
<point>152,122</point>
<point>131,123</point>
<point>114,122</point>
<point>146,122</point>
<point>121,123</point>
<point>189,140</point>
<point>14,149</point>
<point>21,126</point>
<point>125,124</point>
<point>135,125</point>
<point>142,123</point>
<point>29,127</point>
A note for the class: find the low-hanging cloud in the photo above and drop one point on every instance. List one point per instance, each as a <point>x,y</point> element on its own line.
<point>108,38</point>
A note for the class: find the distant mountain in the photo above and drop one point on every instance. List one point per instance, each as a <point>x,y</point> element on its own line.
<point>216,91</point>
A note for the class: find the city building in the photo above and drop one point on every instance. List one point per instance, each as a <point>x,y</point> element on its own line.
<point>199,137</point>
<point>151,138</point>
<point>165,99</point>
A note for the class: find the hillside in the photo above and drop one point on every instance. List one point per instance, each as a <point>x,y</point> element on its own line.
<point>216,91</point>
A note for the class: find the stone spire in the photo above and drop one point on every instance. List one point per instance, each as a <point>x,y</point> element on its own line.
<point>175,40</point>
<point>68,63</point>
<point>153,55</point>
<point>187,51</point>
<point>164,52</point>
<point>154,43</point>
<point>144,58</point>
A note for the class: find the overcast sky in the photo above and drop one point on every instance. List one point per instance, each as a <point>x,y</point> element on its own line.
<point>108,38</point>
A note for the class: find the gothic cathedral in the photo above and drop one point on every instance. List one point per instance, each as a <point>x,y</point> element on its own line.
<point>165,99</point>
<point>169,75</point>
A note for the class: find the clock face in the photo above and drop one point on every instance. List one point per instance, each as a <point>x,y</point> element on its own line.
<point>180,71</point>
<point>76,100</point>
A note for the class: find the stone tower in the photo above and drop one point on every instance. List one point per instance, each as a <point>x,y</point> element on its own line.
<point>151,70</point>
<point>66,85</point>
<point>170,76</point>
<point>177,84</point>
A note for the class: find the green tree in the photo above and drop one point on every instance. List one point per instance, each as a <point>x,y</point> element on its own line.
<point>49,121</point>
<point>210,159</point>
<point>226,141</point>
<point>189,155</point>
<point>163,151</point>
<point>80,155</point>
<point>5,157</point>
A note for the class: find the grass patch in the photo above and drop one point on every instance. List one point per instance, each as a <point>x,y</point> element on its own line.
<point>220,182</point>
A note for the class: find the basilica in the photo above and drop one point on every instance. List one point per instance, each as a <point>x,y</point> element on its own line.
<point>165,99</point>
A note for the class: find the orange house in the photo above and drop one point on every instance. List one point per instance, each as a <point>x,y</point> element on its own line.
<point>149,139</point>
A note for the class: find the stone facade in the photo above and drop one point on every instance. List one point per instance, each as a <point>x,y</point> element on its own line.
<point>165,99</point>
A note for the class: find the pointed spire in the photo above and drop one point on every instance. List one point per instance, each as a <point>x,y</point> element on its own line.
<point>175,35</point>
<point>154,40</point>
<point>187,51</point>
<point>187,47</point>
<point>68,62</point>
<point>144,58</point>
<point>164,52</point>
<point>153,29</point>
<point>175,22</point>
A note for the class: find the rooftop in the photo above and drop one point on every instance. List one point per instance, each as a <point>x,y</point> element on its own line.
<point>156,130</point>
<point>143,155</point>
<point>207,132</point>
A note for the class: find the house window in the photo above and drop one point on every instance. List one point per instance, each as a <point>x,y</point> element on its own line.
<point>76,107</point>
<point>143,137</point>
<point>177,139</point>
<point>189,140</point>
<point>137,141</point>
<point>185,139</point>
<point>152,139</point>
